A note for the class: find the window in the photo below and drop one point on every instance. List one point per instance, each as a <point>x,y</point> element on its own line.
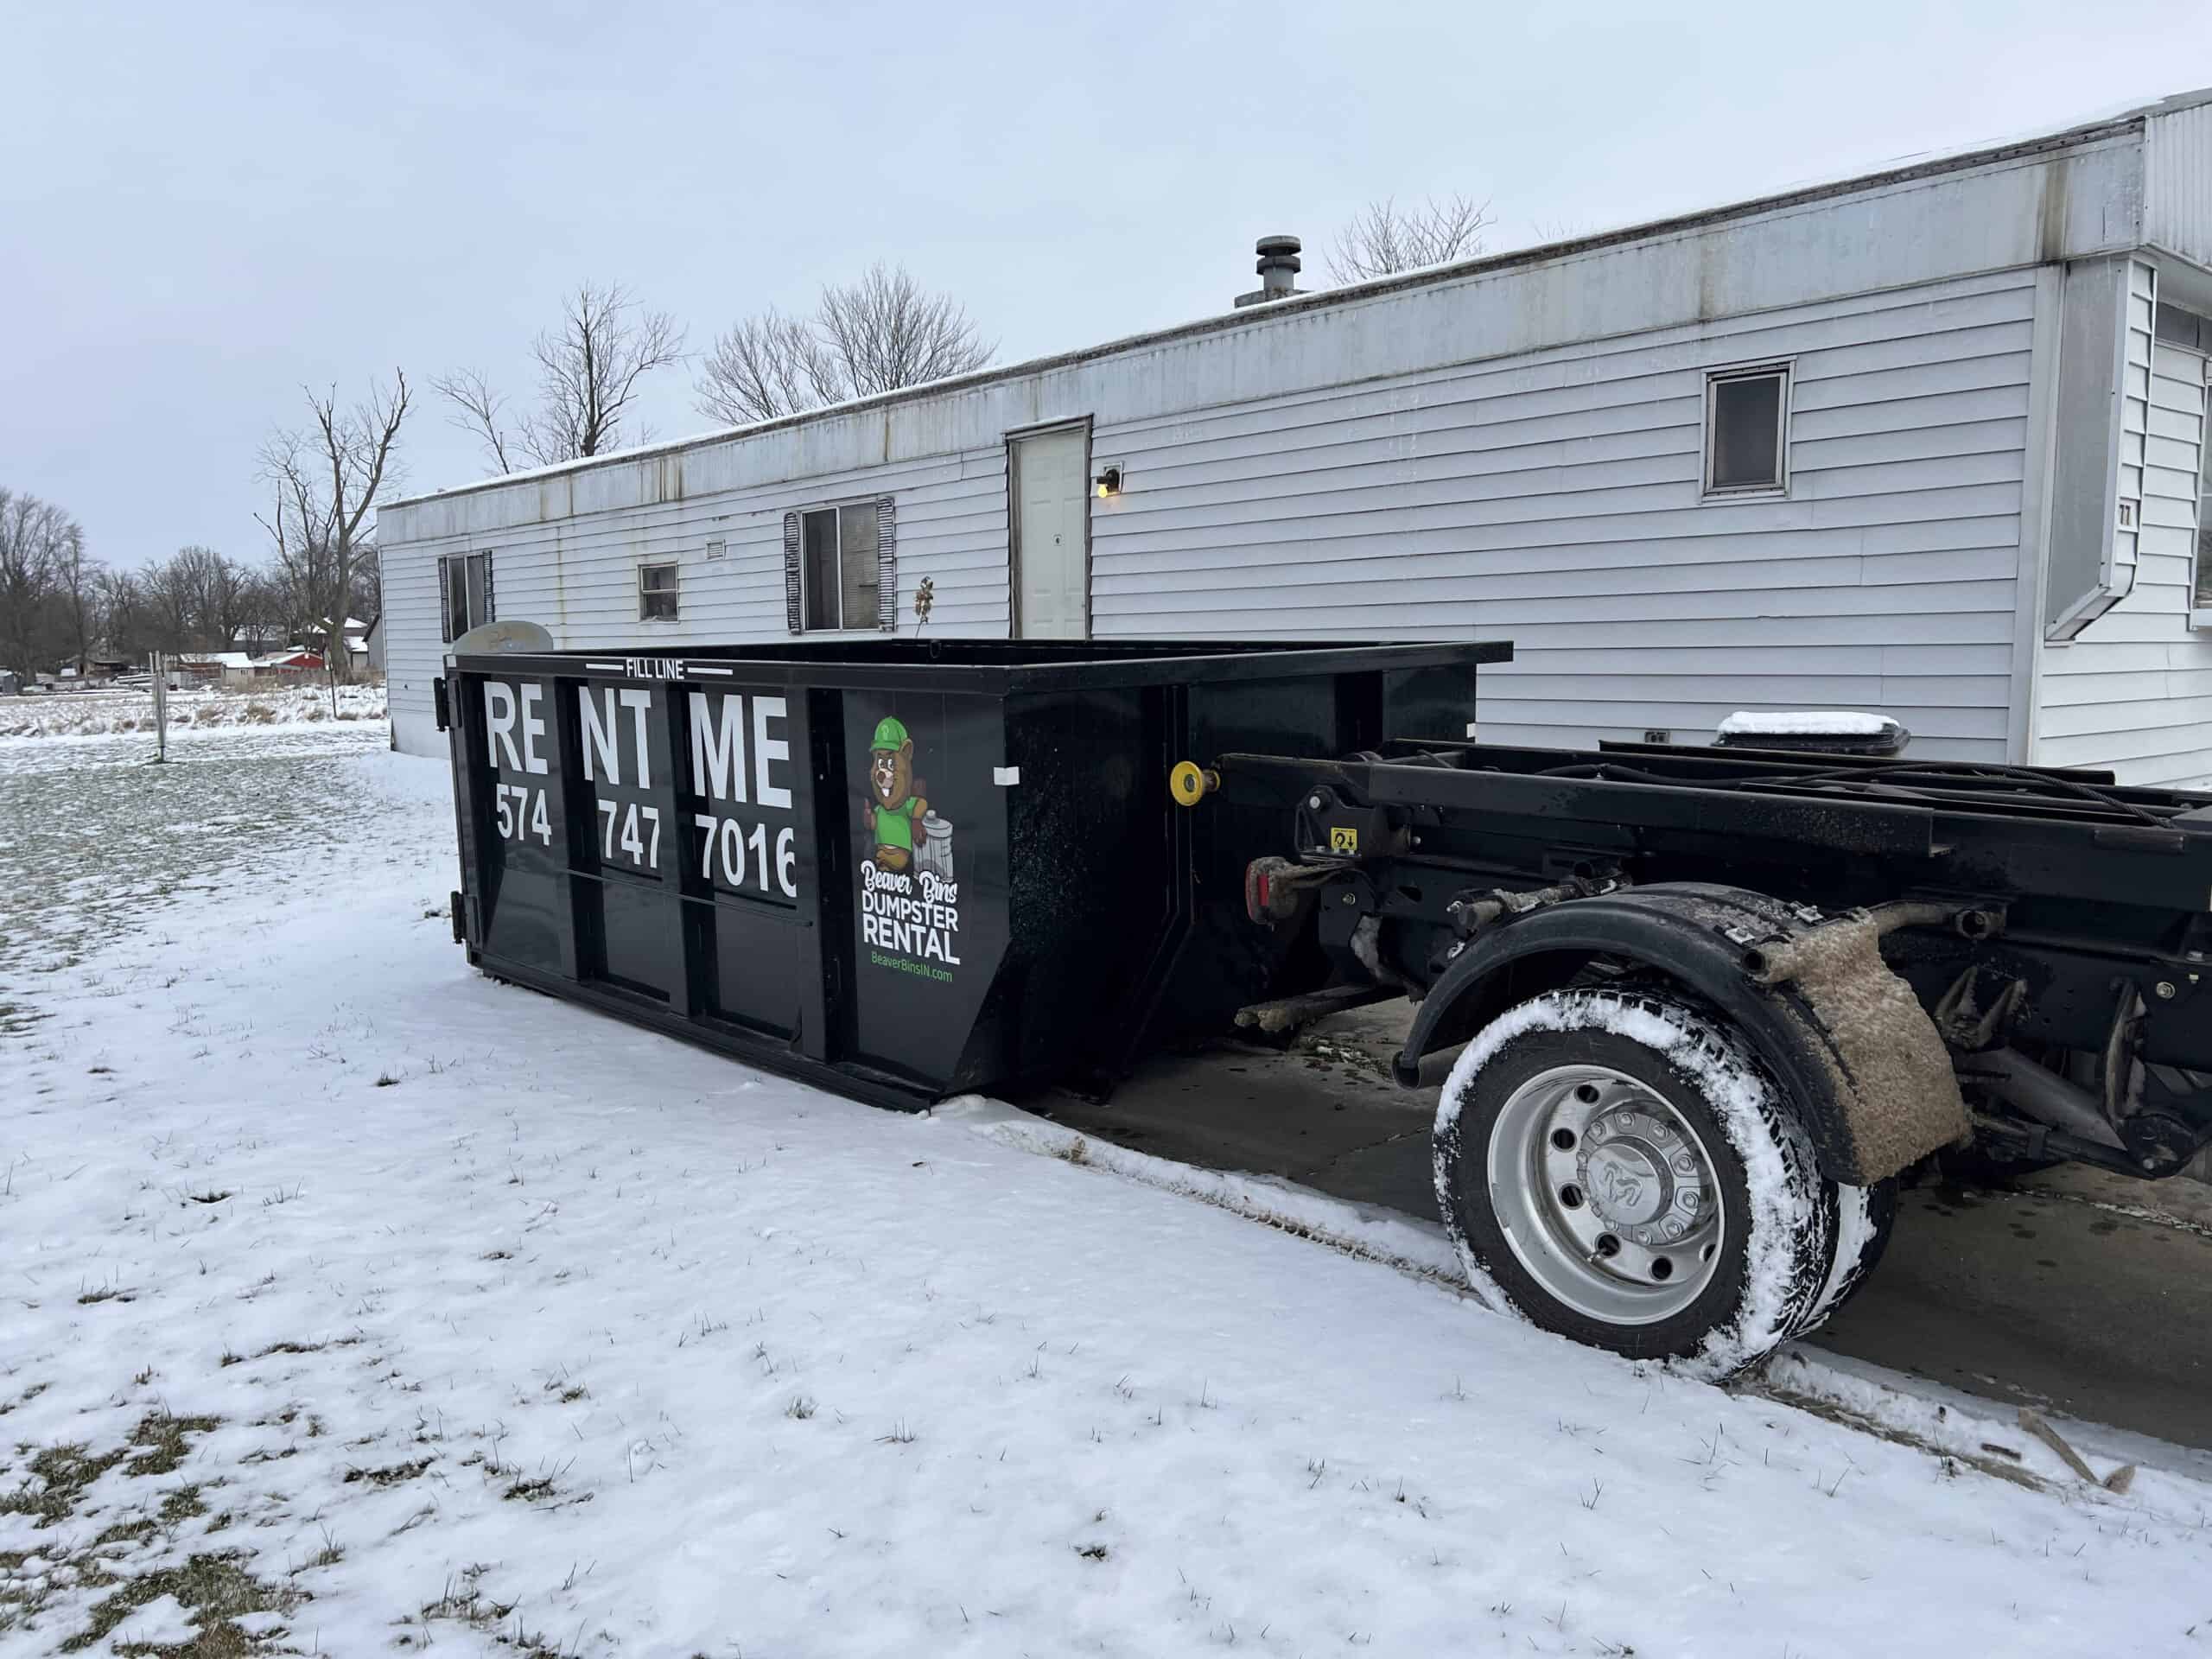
<point>464,593</point>
<point>656,593</point>
<point>1747,431</point>
<point>838,565</point>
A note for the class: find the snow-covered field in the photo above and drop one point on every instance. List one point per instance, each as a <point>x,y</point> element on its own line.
<point>101,714</point>
<point>356,1304</point>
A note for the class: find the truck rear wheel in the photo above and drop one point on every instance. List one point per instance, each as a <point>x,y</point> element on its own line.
<point>1623,1172</point>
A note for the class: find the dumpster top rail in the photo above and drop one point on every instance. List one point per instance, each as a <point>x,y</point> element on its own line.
<point>998,666</point>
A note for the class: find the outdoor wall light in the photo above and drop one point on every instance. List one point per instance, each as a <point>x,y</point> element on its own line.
<point>1109,482</point>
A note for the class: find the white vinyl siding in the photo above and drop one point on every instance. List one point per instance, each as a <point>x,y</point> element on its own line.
<point>1557,500</point>
<point>2134,691</point>
<point>576,574</point>
<point>1552,498</point>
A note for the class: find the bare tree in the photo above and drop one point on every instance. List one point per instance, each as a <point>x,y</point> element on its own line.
<point>325,480</point>
<point>587,374</point>
<point>767,366</point>
<point>122,599</point>
<point>477,408</point>
<point>1387,238</point>
<point>76,595</point>
<point>877,334</point>
<point>34,536</point>
<point>172,595</point>
<point>368,589</point>
<point>201,599</point>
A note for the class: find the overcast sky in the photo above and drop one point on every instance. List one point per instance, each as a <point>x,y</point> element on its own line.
<point>204,206</point>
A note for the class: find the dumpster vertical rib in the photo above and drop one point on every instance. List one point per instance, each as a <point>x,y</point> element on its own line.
<point>687,987</point>
<point>824,959</point>
<point>567,762</point>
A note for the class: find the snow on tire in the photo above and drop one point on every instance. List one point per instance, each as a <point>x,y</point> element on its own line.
<point>1620,1169</point>
<point>1865,1215</point>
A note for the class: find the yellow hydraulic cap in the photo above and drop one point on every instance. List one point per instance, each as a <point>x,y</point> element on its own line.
<point>1190,783</point>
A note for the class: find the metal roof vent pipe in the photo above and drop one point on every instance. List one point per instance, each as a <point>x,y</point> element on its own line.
<point>1279,266</point>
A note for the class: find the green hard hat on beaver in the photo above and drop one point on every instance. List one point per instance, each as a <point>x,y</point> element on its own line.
<point>889,734</point>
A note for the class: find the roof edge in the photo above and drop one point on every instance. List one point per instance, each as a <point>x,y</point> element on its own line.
<point>2097,131</point>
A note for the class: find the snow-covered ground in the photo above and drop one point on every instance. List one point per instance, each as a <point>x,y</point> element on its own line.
<point>356,1304</point>
<point>101,714</point>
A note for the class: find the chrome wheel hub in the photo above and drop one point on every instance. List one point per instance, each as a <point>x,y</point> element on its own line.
<point>1606,1194</point>
<point>1641,1176</point>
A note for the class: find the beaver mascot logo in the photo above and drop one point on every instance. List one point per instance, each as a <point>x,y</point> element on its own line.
<point>895,803</point>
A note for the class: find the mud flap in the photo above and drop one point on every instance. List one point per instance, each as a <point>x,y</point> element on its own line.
<point>1892,1075</point>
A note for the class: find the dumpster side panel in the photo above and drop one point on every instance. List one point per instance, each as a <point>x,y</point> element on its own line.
<point>750,873</point>
<point>929,904</point>
<point>650,838</point>
<point>1428,703</point>
<point>1098,885</point>
<point>521,830</point>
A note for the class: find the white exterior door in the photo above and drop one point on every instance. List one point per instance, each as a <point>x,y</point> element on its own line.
<point>1050,540</point>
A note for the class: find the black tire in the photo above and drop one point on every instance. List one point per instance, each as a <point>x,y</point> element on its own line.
<point>1865,1216</point>
<point>1772,1261</point>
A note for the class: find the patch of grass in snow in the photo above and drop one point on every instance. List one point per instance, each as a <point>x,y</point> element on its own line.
<point>24,1398</point>
<point>216,1589</point>
<point>59,1476</point>
<point>164,1439</point>
<point>465,1603</point>
<point>390,1476</point>
<point>215,1586</point>
<point>529,1491</point>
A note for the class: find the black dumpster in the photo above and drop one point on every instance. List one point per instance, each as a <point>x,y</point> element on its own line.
<point>902,868</point>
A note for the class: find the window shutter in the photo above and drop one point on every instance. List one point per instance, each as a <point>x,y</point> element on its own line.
<point>886,566</point>
<point>794,616</point>
<point>491,606</point>
<point>445,600</point>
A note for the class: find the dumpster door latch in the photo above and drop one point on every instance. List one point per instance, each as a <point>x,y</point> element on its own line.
<point>439,703</point>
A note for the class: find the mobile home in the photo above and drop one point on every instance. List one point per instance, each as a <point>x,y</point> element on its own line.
<point>1928,442</point>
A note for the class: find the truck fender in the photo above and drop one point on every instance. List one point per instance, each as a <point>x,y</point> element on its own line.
<point>1846,1038</point>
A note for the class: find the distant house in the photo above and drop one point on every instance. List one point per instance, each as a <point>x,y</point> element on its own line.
<point>235,670</point>
<point>229,669</point>
<point>285,664</point>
